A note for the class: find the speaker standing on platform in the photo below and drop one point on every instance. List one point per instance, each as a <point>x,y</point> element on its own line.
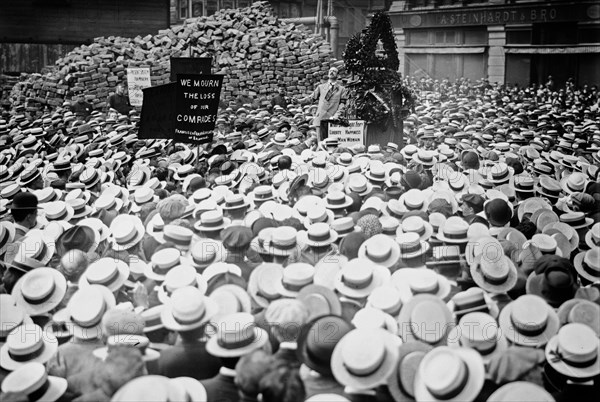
<point>331,97</point>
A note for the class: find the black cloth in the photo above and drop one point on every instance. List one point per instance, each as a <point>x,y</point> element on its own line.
<point>221,388</point>
<point>287,357</point>
<point>188,359</point>
<point>120,103</point>
<point>82,109</point>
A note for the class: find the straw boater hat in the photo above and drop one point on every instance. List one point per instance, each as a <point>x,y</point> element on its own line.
<point>494,273</point>
<point>411,246</point>
<point>154,388</point>
<point>425,318</point>
<point>263,283</point>
<point>188,309</point>
<point>520,391</point>
<point>592,237</point>
<point>317,235</point>
<point>364,358</point>
<point>205,252</point>
<point>27,343</point>
<point>139,342</point>
<point>179,277</point>
<point>237,335</point>
<point>587,264</point>
<point>39,291</point>
<point>108,272</point>
<point>417,225</point>
<point>231,299</point>
<point>387,299</point>
<point>36,246</point>
<point>359,276</point>
<point>454,231</point>
<point>34,384</point>
<point>283,242</point>
<point>162,262</point>
<point>472,300</point>
<point>479,331</point>
<point>574,352</point>
<point>295,277</point>
<point>380,249</point>
<point>319,301</point>
<point>127,231</point>
<point>528,321</point>
<point>414,281</point>
<point>449,374</point>
<point>86,309</point>
<point>212,221</point>
<point>401,382</point>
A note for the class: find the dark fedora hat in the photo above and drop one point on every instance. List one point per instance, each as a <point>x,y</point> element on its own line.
<point>317,340</point>
<point>557,282</point>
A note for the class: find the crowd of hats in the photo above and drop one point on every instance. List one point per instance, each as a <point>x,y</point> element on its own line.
<point>463,266</point>
<point>256,53</point>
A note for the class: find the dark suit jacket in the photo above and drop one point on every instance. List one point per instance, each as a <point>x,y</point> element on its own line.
<point>221,388</point>
<point>287,357</point>
<point>188,360</point>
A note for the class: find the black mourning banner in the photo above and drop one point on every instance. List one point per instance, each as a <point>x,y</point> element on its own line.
<point>158,112</point>
<point>197,103</point>
<point>189,65</point>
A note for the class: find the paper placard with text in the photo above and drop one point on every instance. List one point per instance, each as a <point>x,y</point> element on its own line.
<point>137,80</point>
<point>196,105</point>
<point>348,136</point>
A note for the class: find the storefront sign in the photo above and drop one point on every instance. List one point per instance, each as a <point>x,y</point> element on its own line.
<point>347,136</point>
<point>137,80</point>
<point>158,112</point>
<point>197,102</point>
<point>495,15</point>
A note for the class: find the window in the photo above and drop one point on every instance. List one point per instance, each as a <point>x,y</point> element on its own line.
<point>589,34</point>
<point>554,34</point>
<point>182,9</point>
<point>197,8</point>
<point>518,36</point>
<point>418,37</point>
<point>446,37</point>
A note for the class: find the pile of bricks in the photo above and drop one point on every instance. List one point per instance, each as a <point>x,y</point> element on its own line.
<point>255,51</point>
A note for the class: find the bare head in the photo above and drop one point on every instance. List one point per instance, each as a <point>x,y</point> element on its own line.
<point>333,73</point>
<point>73,263</point>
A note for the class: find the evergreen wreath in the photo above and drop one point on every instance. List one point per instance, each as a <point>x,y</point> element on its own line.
<point>381,96</point>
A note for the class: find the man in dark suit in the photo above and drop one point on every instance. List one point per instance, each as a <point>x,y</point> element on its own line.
<point>188,358</point>
<point>237,336</point>
<point>331,97</point>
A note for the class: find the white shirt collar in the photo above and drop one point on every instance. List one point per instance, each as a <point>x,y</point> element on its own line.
<point>288,345</point>
<point>227,372</point>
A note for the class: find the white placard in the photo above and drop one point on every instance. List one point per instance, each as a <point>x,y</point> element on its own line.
<point>137,79</point>
<point>348,136</point>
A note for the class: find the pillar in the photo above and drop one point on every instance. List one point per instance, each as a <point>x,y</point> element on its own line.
<point>496,65</point>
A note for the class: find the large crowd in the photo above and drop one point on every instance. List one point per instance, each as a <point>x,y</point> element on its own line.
<point>268,266</point>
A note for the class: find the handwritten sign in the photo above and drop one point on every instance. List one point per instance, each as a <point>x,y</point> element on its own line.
<point>197,101</point>
<point>348,136</point>
<point>137,80</point>
<point>158,112</point>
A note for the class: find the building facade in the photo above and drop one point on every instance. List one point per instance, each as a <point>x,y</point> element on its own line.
<point>351,14</point>
<point>506,41</point>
